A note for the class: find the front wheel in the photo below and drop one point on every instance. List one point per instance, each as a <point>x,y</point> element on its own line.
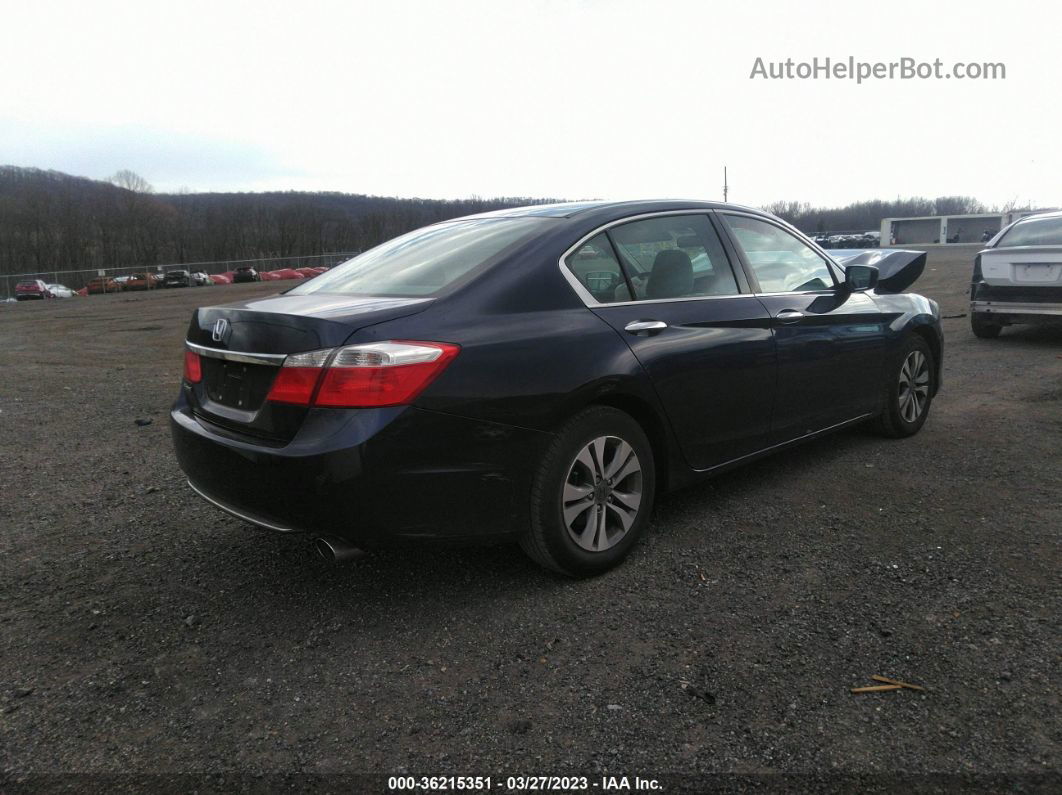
<point>909,390</point>
<point>592,494</point>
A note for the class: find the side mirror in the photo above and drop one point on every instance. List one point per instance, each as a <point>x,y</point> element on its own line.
<point>860,277</point>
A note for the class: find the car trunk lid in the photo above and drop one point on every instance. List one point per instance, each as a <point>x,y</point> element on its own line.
<point>242,346</point>
<point>1025,266</point>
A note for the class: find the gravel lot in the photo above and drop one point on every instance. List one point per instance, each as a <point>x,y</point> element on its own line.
<point>143,632</point>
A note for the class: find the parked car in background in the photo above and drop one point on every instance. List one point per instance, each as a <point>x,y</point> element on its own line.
<point>200,279</point>
<point>286,273</point>
<point>32,290</point>
<point>246,273</point>
<point>140,281</point>
<point>539,374</point>
<point>177,278</point>
<point>121,281</point>
<point>1017,277</point>
<point>103,284</point>
<point>61,291</point>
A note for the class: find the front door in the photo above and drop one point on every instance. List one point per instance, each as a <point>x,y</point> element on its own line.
<point>830,342</point>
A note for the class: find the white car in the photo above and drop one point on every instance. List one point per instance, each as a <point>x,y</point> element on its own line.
<point>62,291</point>
<point>1017,278</point>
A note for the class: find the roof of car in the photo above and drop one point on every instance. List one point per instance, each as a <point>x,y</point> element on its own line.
<point>1040,216</point>
<point>618,208</point>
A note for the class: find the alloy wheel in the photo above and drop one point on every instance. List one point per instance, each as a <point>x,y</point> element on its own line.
<point>602,493</point>
<point>914,386</point>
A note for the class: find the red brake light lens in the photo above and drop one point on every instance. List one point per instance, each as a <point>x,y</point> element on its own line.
<point>376,374</point>
<point>297,379</point>
<point>383,373</point>
<point>294,385</point>
<point>193,370</point>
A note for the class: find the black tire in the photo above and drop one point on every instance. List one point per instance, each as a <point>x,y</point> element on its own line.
<point>983,328</point>
<point>550,541</point>
<point>895,421</point>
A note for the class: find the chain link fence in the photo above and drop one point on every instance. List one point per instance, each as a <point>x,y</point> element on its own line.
<point>77,279</point>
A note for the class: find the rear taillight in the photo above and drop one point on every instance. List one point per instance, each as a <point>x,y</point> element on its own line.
<point>382,373</point>
<point>372,375</point>
<point>297,379</point>
<point>193,371</point>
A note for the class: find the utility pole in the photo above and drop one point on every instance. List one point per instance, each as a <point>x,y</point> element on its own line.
<point>725,188</point>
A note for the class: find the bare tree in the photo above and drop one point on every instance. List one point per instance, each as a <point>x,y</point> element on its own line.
<point>130,180</point>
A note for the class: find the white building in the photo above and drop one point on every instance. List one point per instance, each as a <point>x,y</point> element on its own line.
<point>930,229</point>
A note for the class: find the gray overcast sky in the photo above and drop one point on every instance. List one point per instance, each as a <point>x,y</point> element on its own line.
<point>565,99</point>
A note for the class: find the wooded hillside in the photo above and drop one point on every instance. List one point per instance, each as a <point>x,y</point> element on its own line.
<point>50,221</point>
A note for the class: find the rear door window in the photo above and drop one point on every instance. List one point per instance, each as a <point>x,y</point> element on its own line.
<point>595,265</point>
<point>673,256</point>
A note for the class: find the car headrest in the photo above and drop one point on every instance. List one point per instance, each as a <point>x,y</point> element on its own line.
<point>672,275</point>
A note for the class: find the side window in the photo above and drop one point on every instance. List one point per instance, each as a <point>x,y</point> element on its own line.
<point>595,265</point>
<point>781,262</point>
<point>674,256</point>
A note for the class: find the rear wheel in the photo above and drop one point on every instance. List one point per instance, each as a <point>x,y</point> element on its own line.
<point>909,391</point>
<point>592,494</point>
<point>983,327</point>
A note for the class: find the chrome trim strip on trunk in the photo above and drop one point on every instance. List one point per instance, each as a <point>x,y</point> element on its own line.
<point>1007,308</point>
<point>272,359</point>
<point>241,515</point>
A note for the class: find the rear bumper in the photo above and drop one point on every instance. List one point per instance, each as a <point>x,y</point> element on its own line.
<point>1017,308</point>
<point>371,476</point>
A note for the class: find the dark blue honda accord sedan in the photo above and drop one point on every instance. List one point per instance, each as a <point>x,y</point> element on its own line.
<point>541,374</point>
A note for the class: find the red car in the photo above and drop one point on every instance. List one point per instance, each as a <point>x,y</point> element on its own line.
<point>141,281</point>
<point>287,273</point>
<point>31,290</point>
<point>103,284</point>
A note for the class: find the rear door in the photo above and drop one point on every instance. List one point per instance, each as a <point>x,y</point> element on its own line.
<point>667,285</point>
<point>830,342</point>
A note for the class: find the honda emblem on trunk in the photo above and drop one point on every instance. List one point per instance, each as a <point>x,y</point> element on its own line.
<point>221,330</point>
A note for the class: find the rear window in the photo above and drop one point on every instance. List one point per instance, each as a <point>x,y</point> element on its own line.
<point>427,260</point>
<point>1041,232</point>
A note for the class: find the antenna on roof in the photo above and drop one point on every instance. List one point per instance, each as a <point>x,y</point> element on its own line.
<point>725,189</point>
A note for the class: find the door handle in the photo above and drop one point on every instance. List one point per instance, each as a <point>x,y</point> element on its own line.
<point>645,326</point>
<point>789,316</point>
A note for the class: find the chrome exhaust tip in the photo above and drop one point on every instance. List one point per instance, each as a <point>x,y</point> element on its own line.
<point>336,550</point>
